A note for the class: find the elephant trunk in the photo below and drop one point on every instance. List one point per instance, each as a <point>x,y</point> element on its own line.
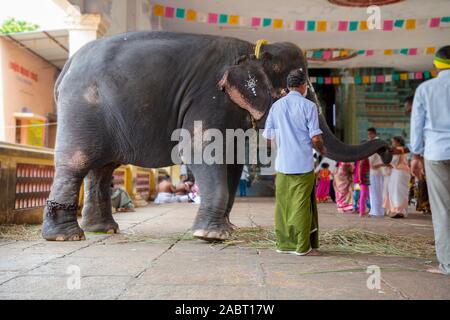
<point>342,152</point>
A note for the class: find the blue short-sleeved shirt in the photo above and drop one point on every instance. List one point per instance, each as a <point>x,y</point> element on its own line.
<point>292,121</point>
<point>430,120</point>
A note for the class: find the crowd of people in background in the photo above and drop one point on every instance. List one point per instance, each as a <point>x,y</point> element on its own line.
<point>369,187</point>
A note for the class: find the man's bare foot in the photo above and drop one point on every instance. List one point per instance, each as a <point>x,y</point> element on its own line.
<point>435,270</point>
<point>312,253</point>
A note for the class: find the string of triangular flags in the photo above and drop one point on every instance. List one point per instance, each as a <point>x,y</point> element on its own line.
<point>369,79</point>
<point>216,18</point>
<point>328,54</point>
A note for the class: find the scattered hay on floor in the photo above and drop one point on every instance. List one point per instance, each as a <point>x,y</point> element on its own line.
<point>16,232</point>
<point>338,241</point>
<point>345,241</point>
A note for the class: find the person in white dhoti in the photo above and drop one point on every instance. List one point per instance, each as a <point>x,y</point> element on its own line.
<point>376,180</point>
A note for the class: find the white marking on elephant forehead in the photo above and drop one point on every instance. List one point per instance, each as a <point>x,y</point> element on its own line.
<point>251,83</point>
<point>91,94</point>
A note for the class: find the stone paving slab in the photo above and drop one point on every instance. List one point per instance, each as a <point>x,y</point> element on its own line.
<point>149,261</point>
<point>193,292</point>
<point>55,287</point>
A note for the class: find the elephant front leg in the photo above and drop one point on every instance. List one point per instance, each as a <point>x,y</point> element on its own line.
<point>211,223</point>
<point>97,212</point>
<point>234,172</point>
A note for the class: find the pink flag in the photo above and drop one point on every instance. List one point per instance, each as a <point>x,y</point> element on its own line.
<point>435,22</point>
<point>388,25</point>
<point>212,17</point>
<point>328,80</point>
<point>300,25</point>
<point>326,55</point>
<point>412,51</point>
<point>343,26</point>
<point>419,75</point>
<point>169,12</point>
<point>256,22</point>
<point>369,52</point>
<point>380,79</point>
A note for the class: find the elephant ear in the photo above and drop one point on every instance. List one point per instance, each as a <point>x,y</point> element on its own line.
<point>248,86</point>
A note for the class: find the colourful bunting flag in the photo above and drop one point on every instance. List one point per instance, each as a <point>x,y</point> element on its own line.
<point>266,22</point>
<point>256,22</point>
<point>321,26</point>
<point>223,18</point>
<point>158,10</point>
<point>353,26</point>
<point>233,20</point>
<point>180,13</point>
<point>169,12</point>
<point>388,25</point>
<point>213,18</point>
<point>399,23</point>
<point>191,15</point>
<point>300,25</point>
<point>343,25</point>
<point>410,24</point>
<point>277,23</point>
<point>435,22</point>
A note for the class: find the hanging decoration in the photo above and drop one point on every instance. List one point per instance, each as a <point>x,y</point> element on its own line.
<point>369,79</point>
<point>216,18</point>
<point>343,54</point>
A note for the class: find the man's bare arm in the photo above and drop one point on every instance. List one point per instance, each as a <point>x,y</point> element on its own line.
<point>319,145</point>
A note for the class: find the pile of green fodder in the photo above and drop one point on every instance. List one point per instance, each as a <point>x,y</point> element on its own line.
<point>15,232</point>
<point>345,241</point>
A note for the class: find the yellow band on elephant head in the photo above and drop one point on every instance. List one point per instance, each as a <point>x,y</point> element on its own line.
<point>259,44</point>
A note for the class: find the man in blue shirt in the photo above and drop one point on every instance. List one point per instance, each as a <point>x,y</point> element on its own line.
<point>430,145</point>
<point>293,124</point>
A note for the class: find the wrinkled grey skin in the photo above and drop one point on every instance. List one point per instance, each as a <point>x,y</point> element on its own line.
<point>120,98</point>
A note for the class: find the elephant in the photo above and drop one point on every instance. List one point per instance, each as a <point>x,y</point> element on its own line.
<point>120,98</point>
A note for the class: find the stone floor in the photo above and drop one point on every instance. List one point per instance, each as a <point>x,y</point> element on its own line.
<point>148,261</point>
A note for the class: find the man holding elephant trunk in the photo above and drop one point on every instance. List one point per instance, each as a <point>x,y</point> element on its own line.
<point>293,124</point>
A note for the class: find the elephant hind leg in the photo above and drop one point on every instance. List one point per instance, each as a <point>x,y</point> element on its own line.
<point>97,212</point>
<point>210,223</point>
<point>60,214</point>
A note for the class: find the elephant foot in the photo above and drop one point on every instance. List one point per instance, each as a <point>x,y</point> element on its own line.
<point>109,227</point>
<point>62,226</point>
<point>212,235</point>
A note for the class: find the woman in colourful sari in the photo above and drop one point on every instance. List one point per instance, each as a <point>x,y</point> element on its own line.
<point>343,186</point>
<point>323,184</point>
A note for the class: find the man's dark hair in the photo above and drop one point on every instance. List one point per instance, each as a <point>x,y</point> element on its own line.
<point>296,78</point>
<point>372,129</point>
<point>443,53</point>
<point>409,99</point>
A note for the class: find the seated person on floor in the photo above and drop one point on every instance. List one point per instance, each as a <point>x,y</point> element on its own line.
<point>183,189</point>
<point>167,193</point>
<point>121,200</point>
